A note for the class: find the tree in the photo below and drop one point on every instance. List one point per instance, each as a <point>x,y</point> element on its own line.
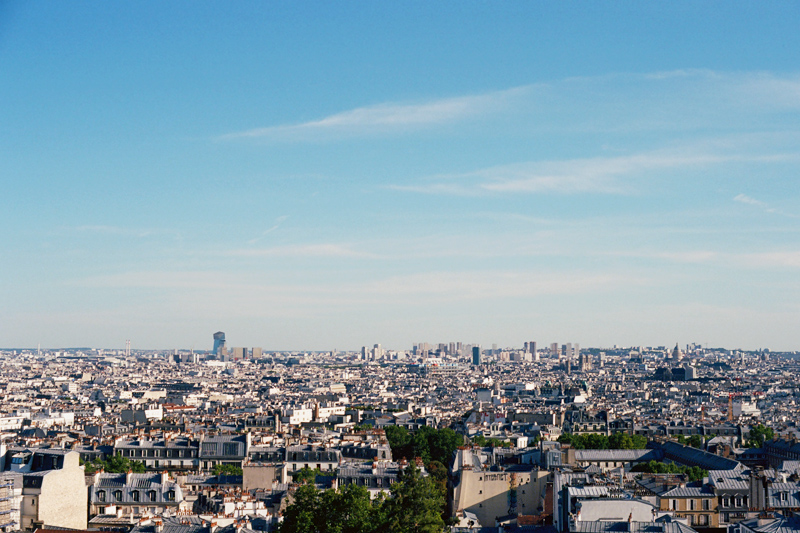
<point>598,441</point>
<point>116,465</point>
<point>480,440</point>
<point>400,441</point>
<point>415,504</point>
<point>303,515</point>
<point>695,441</point>
<point>307,475</point>
<point>227,470</point>
<point>694,473</point>
<point>758,435</point>
<point>427,443</point>
<point>350,510</point>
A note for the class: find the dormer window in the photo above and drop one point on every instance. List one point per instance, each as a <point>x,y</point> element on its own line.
<point>101,495</point>
<point>135,495</point>
<point>118,495</point>
<point>151,495</point>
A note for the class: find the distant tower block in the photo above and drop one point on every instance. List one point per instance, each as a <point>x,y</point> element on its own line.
<point>219,344</point>
<point>257,352</point>
<point>476,355</point>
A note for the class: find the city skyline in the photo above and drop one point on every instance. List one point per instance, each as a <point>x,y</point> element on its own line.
<point>316,176</point>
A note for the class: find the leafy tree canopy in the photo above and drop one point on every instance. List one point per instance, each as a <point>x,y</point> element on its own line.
<point>598,441</point>
<point>695,473</point>
<point>758,435</point>
<point>227,470</point>
<point>695,441</point>
<point>413,505</point>
<point>427,443</point>
<point>116,465</point>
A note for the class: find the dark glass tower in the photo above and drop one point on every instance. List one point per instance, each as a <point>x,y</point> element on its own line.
<point>219,343</point>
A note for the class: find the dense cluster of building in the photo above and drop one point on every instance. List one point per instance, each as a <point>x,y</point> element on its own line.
<point>194,419</point>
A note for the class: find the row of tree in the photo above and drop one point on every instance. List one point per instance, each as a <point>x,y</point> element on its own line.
<point>414,505</point>
<point>695,473</point>
<point>598,441</point>
<point>116,465</point>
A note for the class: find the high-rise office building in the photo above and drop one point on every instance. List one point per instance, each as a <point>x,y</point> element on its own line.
<point>476,355</point>
<point>219,344</point>
<point>257,352</point>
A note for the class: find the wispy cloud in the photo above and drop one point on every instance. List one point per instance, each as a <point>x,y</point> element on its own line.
<point>720,258</point>
<point>385,117</point>
<point>301,250</point>
<point>278,222</point>
<point>119,231</point>
<point>743,198</point>
<point>600,175</point>
<point>748,200</point>
<point>662,100</point>
<point>409,288</point>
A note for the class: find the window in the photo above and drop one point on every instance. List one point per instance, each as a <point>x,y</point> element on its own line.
<point>691,505</point>
<point>101,495</point>
<point>706,505</point>
<point>674,505</point>
<point>135,495</point>
<point>171,495</point>
<point>118,495</point>
<point>151,495</point>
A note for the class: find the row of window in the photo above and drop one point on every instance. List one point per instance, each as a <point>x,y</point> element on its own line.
<point>736,501</point>
<point>138,452</point>
<point>692,505</point>
<point>135,495</point>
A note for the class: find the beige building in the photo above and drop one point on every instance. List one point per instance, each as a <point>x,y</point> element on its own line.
<point>491,495</point>
<point>698,504</point>
<point>53,488</point>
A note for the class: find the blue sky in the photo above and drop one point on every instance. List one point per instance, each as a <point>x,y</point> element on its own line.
<point>321,175</point>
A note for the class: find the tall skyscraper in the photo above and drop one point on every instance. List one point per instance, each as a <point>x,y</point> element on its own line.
<point>219,344</point>
<point>476,355</point>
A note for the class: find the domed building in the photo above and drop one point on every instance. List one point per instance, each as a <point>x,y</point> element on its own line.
<point>677,354</point>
